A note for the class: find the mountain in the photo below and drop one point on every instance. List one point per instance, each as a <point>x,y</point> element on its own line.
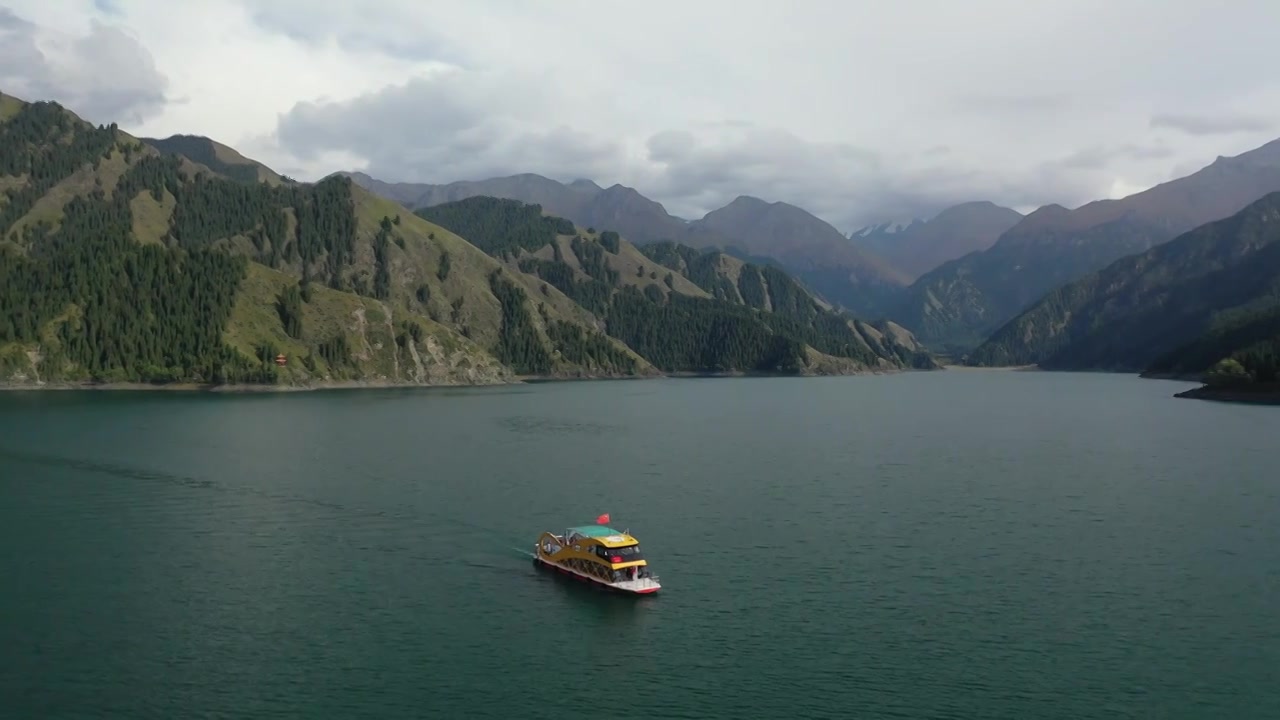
<point>960,303</point>
<point>767,288</point>
<point>1175,309</point>
<point>618,208</point>
<point>217,157</point>
<point>918,246</point>
<point>681,308</point>
<point>121,261</point>
<point>809,248</point>
<point>126,264</point>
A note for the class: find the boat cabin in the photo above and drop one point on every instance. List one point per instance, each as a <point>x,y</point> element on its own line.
<point>604,542</point>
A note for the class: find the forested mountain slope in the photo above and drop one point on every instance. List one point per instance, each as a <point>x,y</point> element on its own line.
<point>958,305</point>
<point>217,157</point>
<point>807,247</point>
<point>680,308</point>
<point>125,264</point>
<point>811,249</point>
<point>1242,348</point>
<point>1216,281</point>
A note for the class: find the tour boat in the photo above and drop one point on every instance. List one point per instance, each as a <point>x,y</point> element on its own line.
<point>600,555</point>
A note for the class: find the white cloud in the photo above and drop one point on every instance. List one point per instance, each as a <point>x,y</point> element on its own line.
<point>101,72</point>
<point>854,110</point>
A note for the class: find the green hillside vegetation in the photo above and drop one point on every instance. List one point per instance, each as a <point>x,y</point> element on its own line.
<point>1244,349</point>
<point>9,106</point>
<point>120,262</point>
<point>680,308</point>
<point>1212,292</point>
<point>324,273</point>
<point>1250,373</point>
<point>501,228</point>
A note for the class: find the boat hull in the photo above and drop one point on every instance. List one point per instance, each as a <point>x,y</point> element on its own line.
<point>626,588</point>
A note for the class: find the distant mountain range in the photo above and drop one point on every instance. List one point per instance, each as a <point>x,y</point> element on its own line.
<point>809,247</point>
<point>818,254</point>
<point>952,279</point>
<point>915,247</point>
<point>957,305</point>
<point>1217,278</point>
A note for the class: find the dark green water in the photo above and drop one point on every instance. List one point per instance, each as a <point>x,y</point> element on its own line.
<point>958,544</point>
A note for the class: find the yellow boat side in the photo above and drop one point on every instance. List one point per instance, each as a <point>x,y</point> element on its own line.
<point>597,553</point>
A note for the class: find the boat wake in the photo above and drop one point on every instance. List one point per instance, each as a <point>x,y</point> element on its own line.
<point>432,522</point>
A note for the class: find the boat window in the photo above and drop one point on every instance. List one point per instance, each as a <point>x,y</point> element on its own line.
<point>626,553</point>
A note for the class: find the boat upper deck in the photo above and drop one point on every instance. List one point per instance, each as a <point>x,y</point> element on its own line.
<point>606,536</point>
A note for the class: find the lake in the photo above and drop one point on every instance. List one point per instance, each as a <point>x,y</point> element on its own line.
<point>961,544</point>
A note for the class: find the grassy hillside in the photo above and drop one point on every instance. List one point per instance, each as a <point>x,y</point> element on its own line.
<point>1213,282</point>
<point>679,308</point>
<point>123,263</point>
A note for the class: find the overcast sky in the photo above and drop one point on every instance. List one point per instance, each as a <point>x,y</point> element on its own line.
<point>858,111</point>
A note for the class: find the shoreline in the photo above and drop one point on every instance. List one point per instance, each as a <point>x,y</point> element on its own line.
<point>994,368</point>
<point>253,388</point>
<point>244,388</point>
<point>1268,395</point>
<point>1180,377</point>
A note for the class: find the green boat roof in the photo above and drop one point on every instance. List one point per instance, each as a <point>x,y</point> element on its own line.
<point>594,531</point>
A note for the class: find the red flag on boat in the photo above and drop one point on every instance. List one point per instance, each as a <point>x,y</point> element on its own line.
<point>603,519</point>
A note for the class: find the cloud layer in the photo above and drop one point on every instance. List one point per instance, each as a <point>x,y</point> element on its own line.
<point>859,112</point>
<point>104,74</point>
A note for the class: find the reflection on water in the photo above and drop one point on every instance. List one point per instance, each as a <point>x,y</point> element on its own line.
<point>533,425</point>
